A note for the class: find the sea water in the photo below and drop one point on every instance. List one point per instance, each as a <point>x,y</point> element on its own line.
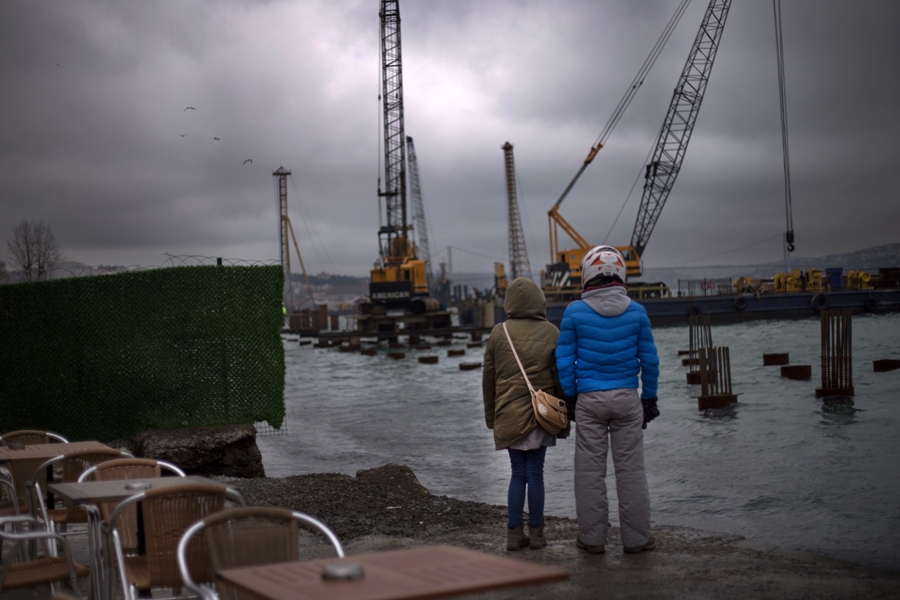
<point>780,467</point>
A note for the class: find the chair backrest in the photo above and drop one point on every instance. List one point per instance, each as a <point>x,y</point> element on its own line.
<point>127,468</point>
<point>167,513</point>
<point>30,437</point>
<point>76,463</point>
<point>243,537</point>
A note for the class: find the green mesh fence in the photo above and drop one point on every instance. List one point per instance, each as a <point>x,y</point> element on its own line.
<point>108,356</point>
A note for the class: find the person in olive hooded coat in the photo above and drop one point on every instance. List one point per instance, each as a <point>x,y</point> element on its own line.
<point>507,404</point>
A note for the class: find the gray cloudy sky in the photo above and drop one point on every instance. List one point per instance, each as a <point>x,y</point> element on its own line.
<point>94,92</point>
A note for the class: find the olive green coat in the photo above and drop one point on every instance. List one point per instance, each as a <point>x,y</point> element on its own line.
<point>507,401</point>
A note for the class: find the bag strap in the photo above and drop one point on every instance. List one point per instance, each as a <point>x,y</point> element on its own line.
<point>516,354</point>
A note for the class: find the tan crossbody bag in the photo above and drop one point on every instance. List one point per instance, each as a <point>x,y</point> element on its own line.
<point>549,410</point>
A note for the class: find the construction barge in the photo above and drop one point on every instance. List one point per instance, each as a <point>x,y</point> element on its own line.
<point>740,308</point>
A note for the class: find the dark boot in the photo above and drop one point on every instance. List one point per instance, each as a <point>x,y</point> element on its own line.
<point>537,537</point>
<point>516,538</point>
<point>650,545</point>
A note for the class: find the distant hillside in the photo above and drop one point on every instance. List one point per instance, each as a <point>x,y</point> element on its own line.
<point>870,259</point>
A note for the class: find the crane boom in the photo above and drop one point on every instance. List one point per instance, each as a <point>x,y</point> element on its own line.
<point>518,252</point>
<point>393,234</point>
<point>418,206</point>
<point>678,125</point>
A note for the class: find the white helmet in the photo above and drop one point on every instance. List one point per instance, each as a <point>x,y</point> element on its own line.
<point>602,260</point>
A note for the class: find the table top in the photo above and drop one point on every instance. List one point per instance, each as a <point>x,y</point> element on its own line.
<point>116,490</point>
<point>425,572</point>
<point>44,452</point>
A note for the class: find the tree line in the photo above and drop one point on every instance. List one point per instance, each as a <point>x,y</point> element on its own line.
<point>33,250</point>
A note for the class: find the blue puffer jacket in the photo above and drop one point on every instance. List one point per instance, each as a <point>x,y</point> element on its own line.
<point>596,352</point>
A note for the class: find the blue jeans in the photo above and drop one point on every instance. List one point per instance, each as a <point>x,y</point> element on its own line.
<point>527,470</point>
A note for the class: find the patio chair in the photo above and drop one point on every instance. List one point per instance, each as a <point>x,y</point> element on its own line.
<point>73,465</point>
<point>23,471</point>
<point>241,537</point>
<point>127,468</point>
<point>9,505</point>
<point>9,499</point>
<point>166,513</point>
<point>50,568</point>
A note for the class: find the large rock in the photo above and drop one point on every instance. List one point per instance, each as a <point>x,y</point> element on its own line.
<point>214,450</point>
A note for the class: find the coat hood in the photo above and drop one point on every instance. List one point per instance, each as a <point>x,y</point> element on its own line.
<point>525,300</point>
<point>609,301</point>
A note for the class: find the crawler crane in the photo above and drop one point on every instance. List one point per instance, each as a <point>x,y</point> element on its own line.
<point>562,278</point>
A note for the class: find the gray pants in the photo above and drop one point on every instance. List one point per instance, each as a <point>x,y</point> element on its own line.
<point>600,418</point>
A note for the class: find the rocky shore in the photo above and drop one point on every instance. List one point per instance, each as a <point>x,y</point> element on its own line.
<point>387,508</point>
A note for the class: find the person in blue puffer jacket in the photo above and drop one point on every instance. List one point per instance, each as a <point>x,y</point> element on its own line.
<point>605,344</point>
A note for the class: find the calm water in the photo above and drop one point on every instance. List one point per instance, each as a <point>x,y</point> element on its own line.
<point>780,466</point>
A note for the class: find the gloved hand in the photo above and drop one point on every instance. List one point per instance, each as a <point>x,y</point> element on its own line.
<point>650,411</point>
<point>570,408</point>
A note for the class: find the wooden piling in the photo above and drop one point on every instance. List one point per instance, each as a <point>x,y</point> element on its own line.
<point>456,352</point>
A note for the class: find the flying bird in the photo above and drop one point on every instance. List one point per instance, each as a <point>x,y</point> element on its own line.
<point>189,108</point>
<point>217,139</point>
<point>247,161</point>
<point>182,134</point>
<point>57,64</point>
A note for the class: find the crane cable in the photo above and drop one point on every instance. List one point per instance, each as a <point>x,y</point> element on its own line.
<point>782,93</point>
<point>633,87</point>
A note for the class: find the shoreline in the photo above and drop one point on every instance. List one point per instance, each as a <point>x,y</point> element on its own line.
<point>387,508</point>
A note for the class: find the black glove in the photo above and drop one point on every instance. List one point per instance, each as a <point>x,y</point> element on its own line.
<point>650,411</point>
<point>570,408</point>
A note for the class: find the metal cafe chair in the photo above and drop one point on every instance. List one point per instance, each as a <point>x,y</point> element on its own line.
<point>9,505</point>
<point>73,465</point>
<point>127,468</point>
<point>122,469</point>
<point>9,498</point>
<point>22,471</point>
<point>50,568</point>
<point>241,537</point>
<point>165,513</point>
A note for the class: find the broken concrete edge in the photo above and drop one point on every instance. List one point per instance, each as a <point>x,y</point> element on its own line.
<point>210,450</point>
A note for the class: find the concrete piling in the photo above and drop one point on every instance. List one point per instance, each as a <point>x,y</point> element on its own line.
<point>884,365</point>
<point>800,372</point>
<point>700,334</point>
<point>715,378</point>
<point>779,358</point>
<point>837,355</point>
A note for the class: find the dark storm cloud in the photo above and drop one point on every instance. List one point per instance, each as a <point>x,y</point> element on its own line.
<point>95,138</point>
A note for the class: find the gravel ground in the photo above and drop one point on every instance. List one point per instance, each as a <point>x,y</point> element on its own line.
<point>388,500</point>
